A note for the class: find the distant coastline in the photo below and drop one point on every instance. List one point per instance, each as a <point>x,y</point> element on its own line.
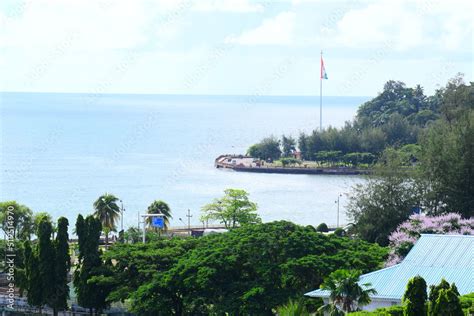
<point>243,163</point>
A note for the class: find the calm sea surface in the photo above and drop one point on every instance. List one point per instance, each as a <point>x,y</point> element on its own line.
<point>59,152</point>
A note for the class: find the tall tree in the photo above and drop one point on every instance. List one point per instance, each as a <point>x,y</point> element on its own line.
<point>62,266</point>
<point>162,207</point>
<point>33,282</point>
<point>385,200</point>
<point>448,167</point>
<point>434,291</point>
<point>288,145</point>
<point>46,262</point>
<point>108,212</point>
<point>447,304</point>
<point>345,292</point>
<point>232,210</point>
<point>89,295</point>
<point>415,297</point>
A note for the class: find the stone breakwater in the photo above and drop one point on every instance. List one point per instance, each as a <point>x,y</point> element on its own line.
<point>242,163</point>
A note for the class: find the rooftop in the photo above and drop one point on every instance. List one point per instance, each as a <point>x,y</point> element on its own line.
<point>433,257</point>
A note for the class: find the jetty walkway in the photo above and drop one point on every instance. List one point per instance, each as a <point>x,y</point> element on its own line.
<point>242,163</point>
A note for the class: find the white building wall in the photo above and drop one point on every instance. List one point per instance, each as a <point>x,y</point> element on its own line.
<point>375,303</point>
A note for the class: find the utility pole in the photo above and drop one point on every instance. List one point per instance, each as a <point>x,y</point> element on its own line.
<point>189,220</point>
<point>338,197</point>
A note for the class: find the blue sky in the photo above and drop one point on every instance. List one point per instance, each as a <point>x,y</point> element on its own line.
<point>232,46</point>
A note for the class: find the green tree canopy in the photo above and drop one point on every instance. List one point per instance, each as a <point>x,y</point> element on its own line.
<point>46,254</point>
<point>268,148</point>
<point>288,145</point>
<point>385,200</point>
<point>18,216</point>
<point>415,297</point>
<point>266,264</point>
<point>232,210</point>
<point>89,295</point>
<point>62,265</point>
<point>447,304</point>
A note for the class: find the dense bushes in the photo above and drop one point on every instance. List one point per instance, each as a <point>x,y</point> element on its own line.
<point>434,177</point>
<point>444,300</point>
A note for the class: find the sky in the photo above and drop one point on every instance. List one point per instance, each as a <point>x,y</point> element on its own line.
<point>232,47</point>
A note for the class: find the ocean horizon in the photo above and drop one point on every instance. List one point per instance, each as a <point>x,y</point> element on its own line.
<point>60,151</point>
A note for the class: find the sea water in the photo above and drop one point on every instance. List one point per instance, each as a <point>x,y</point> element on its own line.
<point>60,152</point>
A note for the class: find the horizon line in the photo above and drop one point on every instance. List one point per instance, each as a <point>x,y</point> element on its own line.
<point>190,95</point>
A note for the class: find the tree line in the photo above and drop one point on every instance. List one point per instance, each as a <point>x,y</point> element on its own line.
<point>438,183</point>
<point>397,117</point>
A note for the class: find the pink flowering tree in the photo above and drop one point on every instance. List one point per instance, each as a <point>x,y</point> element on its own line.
<point>407,233</point>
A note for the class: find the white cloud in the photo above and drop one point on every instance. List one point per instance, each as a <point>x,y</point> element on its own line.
<point>227,6</point>
<point>274,31</point>
<point>406,24</point>
<point>96,24</point>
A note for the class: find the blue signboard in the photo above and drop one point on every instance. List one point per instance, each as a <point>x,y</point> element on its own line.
<point>158,222</point>
<point>416,210</point>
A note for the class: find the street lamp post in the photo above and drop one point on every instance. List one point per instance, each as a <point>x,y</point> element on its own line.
<point>338,197</point>
<point>121,220</point>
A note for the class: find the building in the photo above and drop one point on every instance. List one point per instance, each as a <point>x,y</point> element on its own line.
<point>433,257</point>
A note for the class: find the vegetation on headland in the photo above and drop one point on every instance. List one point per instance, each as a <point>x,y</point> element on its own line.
<point>397,118</point>
<point>440,182</point>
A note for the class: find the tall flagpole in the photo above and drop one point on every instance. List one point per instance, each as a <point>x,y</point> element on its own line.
<point>321,93</point>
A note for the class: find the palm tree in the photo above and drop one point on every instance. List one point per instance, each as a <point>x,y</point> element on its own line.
<point>108,212</point>
<point>293,308</point>
<point>160,207</point>
<point>346,293</point>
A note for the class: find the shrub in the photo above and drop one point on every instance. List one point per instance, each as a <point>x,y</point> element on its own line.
<point>415,297</point>
<point>339,232</point>
<point>447,304</point>
<point>467,303</point>
<point>444,300</point>
<point>322,228</point>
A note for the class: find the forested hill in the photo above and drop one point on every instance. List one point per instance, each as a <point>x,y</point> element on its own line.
<point>395,118</point>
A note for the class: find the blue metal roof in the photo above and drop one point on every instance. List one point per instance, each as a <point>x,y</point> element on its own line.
<point>433,257</point>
